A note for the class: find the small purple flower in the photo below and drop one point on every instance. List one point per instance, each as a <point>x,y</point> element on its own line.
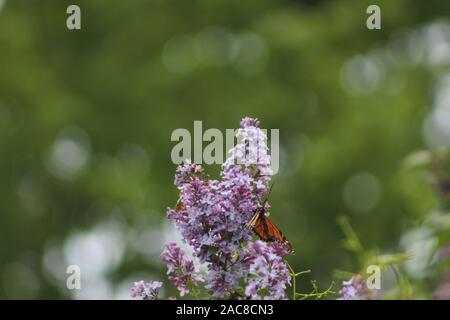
<point>249,122</point>
<point>354,289</point>
<point>181,270</point>
<point>268,274</point>
<point>220,282</point>
<point>280,249</point>
<point>443,253</point>
<point>443,292</point>
<point>146,290</point>
<point>251,149</point>
<point>185,173</point>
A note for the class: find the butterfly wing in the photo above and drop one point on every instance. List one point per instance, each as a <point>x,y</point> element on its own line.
<point>254,221</point>
<point>180,206</point>
<point>266,230</point>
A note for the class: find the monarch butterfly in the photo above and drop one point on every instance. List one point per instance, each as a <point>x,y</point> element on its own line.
<point>265,229</point>
<point>180,206</point>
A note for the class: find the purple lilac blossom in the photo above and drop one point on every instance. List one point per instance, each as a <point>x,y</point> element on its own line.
<point>443,292</point>
<point>249,122</point>
<point>251,148</point>
<point>181,270</point>
<point>268,274</point>
<point>212,214</point>
<point>185,172</point>
<point>443,253</point>
<point>354,289</point>
<point>146,290</point>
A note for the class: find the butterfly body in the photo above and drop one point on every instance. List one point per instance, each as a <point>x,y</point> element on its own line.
<point>265,229</point>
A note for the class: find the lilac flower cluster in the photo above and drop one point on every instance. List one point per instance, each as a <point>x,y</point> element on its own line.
<point>354,289</point>
<point>146,290</point>
<point>251,149</point>
<point>443,291</point>
<point>268,274</point>
<point>184,173</point>
<point>211,216</point>
<point>443,253</point>
<point>181,271</point>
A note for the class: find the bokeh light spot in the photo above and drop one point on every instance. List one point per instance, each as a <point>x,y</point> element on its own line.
<point>360,75</point>
<point>361,192</point>
<point>252,55</point>
<point>214,46</point>
<point>70,153</point>
<point>178,54</point>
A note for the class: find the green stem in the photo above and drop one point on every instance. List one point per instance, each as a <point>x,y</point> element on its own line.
<point>293,280</point>
<point>294,277</point>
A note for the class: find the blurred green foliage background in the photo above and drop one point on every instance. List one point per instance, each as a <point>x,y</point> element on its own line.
<point>86,118</point>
